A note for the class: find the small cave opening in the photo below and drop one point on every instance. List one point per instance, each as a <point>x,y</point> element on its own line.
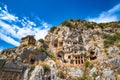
<point>93,58</point>
<point>59,56</point>
<point>92,52</point>
<point>32,61</point>
<point>55,45</point>
<point>69,57</point>
<point>92,55</point>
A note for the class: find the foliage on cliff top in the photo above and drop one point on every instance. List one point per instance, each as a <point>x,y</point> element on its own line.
<point>111,24</point>
<point>74,24</point>
<point>110,39</point>
<point>53,29</point>
<point>41,40</point>
<point>69,24</point>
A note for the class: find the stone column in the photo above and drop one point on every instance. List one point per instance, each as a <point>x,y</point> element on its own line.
<point>80,59</point>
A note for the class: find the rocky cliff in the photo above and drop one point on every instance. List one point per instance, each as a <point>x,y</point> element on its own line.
<point>74,50</point>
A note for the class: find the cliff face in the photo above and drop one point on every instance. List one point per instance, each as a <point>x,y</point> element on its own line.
<point>83,39</point>
<point>76,41</point>
<point>74,50</point>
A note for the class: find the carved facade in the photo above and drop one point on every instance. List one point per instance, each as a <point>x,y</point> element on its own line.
<point>28,40</point>
<point>68,45</point>
<point>11,71</point>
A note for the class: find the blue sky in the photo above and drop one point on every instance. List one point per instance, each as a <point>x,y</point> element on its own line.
<point>35,17</point>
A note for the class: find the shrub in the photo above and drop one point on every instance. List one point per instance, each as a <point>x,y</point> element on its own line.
<point>95,75</point>
<point>24,45</point>
<point>88,25</point>
<point>46,67</point>
<point>32,67</point>
<point>86,64</point>
<point>82,78</point>
<point>41,40</point>
<point>67,23</point>
<point>53,29</point>
<point>61,75</point>
<point>105,50</point>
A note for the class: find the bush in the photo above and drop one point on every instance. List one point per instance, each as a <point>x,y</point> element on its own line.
<point>46,67</point>
<point>53,29</point>
<point>86,64</point>
<point>67,23</point>
<point>88,25</point>
<point>82,78</point>
<point>32,67</point>
<point>95,75</point>
<point>61,75</point>
<point>41,40</point>
<point>24,45</point>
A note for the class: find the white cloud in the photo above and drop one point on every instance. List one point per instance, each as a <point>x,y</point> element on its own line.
<point>5,15</point>
<point>12,29</point>
<point>46,25</point>
<point>8,39</point>
<point>107,16</point>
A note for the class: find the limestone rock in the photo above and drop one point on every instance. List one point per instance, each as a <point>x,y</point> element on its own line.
<point>76,72</point>
<point>108,74</point>
<point>115,63</point>
<point>37,74</point>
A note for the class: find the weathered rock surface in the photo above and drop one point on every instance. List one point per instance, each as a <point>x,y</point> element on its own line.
<point>76,49</point>
<point>37,74</point>
<point>115,63</point>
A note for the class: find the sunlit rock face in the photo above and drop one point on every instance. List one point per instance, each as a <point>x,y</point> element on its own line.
<point>74,50</point>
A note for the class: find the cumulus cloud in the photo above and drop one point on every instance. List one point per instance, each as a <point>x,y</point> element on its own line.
<point>13,28</point>
<point>5,15</point>
<point>107,16</point>
<point>8,39</point>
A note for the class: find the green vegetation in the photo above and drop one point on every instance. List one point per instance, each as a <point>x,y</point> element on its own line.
<point>88,25</point>
<point>105,50</point>
<point>69,24</point>
<point>41,40</point>
<point>61,75</point>
<point>86,64</point>
<point>82,78</point>
<point>53,29</point>
<point>111,24</point>
<point>51,55</point>
<point>110,39</point>
<point>24,45</point>
<point>118,45</point>
<point>95,75</point>
<point>32,67</point>
<point>46,67</point>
